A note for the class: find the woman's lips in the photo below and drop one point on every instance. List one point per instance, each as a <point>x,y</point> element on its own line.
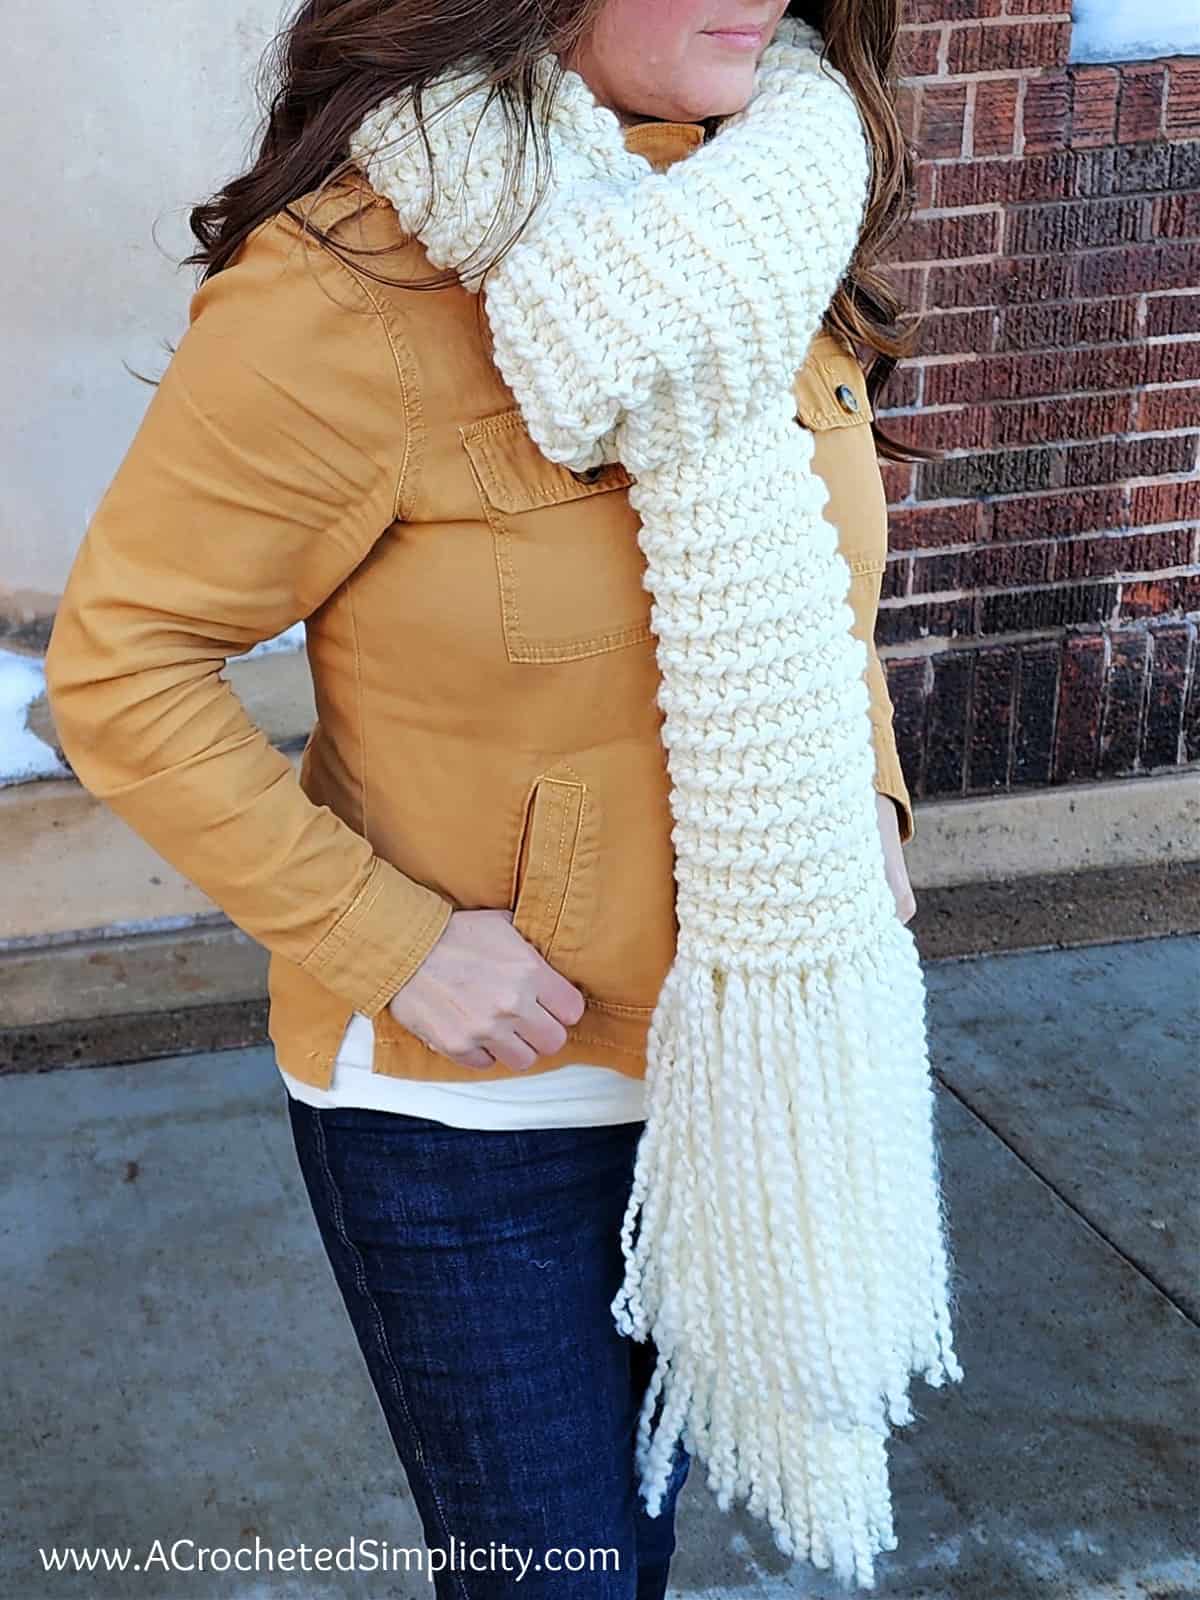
<point>738,38</point>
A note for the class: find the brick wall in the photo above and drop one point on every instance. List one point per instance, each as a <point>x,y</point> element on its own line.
<point>1039,620</point>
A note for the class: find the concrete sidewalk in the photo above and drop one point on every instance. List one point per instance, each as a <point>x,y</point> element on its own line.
<point>178,1365</point>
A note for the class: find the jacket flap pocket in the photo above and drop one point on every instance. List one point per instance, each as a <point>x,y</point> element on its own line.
<point>831,386</point>
<point>548,858</point>
<point>515,475</point>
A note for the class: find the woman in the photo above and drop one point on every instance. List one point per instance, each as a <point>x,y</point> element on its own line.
<point>469,896</point>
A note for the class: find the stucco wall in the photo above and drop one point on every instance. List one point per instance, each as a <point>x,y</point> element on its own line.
<point>116,119</point>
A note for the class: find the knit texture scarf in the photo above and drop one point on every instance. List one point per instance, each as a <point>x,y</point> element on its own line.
<point>785,1241</point>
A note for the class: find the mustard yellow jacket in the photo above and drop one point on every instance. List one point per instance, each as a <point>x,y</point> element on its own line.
<point>327,448</point>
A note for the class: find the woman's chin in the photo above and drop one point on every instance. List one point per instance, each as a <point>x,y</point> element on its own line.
<point>720,96</point>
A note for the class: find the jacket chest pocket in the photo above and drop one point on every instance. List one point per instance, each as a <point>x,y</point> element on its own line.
<point>832,402</point>
<point>568,566</point>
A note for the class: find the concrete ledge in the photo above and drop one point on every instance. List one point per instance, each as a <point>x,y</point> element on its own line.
<point>97,1002</point>
<point>108,954</point>
<point>130,975</point>
<point>72,869</point>
<point>1132,822</point>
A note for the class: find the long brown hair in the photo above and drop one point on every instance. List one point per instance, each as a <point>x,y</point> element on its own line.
<point>336,60</point>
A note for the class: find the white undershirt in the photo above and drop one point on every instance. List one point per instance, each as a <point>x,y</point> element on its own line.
<point>574,1096</point>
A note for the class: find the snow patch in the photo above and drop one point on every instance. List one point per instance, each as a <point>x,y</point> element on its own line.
<point>290,639</point>
<point>22,754</point>
<point>1130,30</point>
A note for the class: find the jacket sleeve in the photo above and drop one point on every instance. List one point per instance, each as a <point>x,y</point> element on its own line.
<point>889,775</point>
<point>268,462</point>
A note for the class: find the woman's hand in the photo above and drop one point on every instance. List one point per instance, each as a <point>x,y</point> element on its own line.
<point>893,857</point>
<point>483,995</point>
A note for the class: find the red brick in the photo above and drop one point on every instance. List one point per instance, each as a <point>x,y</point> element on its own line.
<point>1037,704</point>
<point>1080,703</point>
<point>906,283</point>
<point>1164,739</point>
<point>942,116</point>
<point>898,480</point>
<point>1177,216</point>
<point>993,696</point>
<point>1156,597</point>
<point>901,390</point>
<point>908,110</point>
<point>1032,278</point>
<point>1122,553</point>
<point>1183,99</point>
<point>1160,410</point>
<point>950,10</point>
<point>946,722</point>
<point>939,574</point>
<point>1007,46</point>
<point>1036,610</point>
<point>1051,515</point>
<point>1142,99</point>
<point>955,332</point>
<point>1173,361</point>
<point>1118,460</point>
<point>1165,502</point>
<point>1036,374</point>
<point>1140,267</point>
<point>1065,323</point>
<point>1046,112</point>
<point>1039,8</point>
<point>923,527</point>
<point>950,285</point>
<point>1094,105</point>
<point>1172,313</point>
<point>958,428</point>
<point>941,238</point>
<point>1190,750</point>
<point>1081,417</point>
<point>1124,704</point>
<point>940,619</point>
<point>970,183</point>
<point>917,55</point>
<point>1011,566</point>
<point>997,283</point>
<point>994,121</point>
<point>1078,225</point>
<point>896,575</point>
<point>907,679</point>
<point>1052,365</point>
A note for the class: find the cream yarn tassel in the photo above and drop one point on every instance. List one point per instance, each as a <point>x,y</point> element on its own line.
<point>784,1237</point>
<point>784,1242</point>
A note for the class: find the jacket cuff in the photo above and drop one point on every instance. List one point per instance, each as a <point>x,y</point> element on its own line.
<point>889,778</point>
<point>380,940</point>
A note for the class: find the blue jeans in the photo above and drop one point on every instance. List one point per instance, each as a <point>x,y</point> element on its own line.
<point>478,1269</point>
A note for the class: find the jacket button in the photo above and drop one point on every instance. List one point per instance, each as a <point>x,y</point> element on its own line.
<point>847,398</point>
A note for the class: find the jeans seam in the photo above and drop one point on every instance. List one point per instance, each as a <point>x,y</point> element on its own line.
<point>384,1345</point>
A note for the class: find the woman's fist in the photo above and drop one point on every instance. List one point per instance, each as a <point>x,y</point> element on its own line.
<point>484,995</point>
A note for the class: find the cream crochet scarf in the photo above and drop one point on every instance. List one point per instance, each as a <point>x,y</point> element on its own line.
<point>785,1241</point>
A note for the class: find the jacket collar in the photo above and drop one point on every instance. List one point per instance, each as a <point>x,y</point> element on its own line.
<point>663,143</point>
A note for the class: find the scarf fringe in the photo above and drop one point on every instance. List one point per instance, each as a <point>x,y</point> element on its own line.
<point>785,1242</point>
